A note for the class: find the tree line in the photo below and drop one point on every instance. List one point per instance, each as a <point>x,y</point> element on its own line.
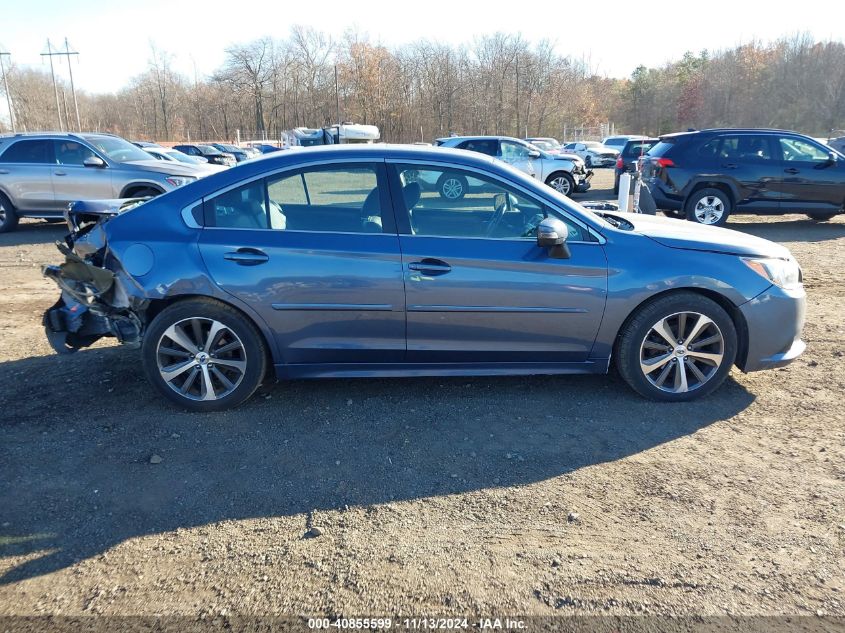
<point>497,84</point>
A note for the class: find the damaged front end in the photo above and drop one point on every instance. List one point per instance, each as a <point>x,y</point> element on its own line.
<point>98,298</point>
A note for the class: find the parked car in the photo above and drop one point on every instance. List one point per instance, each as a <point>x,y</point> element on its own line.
<point>618,142</point>
<point>174,155</point>
<point>565,175</point>
<point>838,144</point>
<point>708,175</point>
<point>594,154</point>
<point>265,148</point>
<point>211,154</point>
<point>40,173</point>
<point>629,157</point>
<point>237,152</point>
<point>332,261</point>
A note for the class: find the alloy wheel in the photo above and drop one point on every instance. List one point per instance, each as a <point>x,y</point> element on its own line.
<point>709,210</point>
<point>681,352</point>
<point>452,188</point>
<point>560,184</point>
<point>2,213</point>
<point>201,359</point>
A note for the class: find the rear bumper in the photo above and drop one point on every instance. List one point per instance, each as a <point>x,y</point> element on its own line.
<point>774,319</point>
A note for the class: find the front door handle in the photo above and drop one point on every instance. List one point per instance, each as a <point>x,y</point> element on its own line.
<point>430,266</point>
<point>247,256</point>
<point>792,170</point>
<point>4,171</point>
<point>729,165</point>
<point>59,173</point>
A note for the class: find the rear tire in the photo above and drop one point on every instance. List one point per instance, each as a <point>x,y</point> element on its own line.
<point>696,361</point>
<point>671,213</point>
<point>204,355</point>
<point>708,206</point>
<point>8,216</point>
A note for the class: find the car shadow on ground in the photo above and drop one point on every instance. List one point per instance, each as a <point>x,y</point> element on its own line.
<point>75,458</point>
<point>34,232</point>
<point>792,230</point>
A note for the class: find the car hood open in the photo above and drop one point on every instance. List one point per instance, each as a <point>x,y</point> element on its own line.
<point>689,236</point>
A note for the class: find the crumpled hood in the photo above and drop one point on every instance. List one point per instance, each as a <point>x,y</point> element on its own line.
<point>690,236</point>
<point>165,167</point>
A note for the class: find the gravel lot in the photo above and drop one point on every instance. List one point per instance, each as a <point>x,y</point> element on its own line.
<point>547,495</point>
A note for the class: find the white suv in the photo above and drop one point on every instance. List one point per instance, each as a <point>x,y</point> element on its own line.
<point>566,175</point>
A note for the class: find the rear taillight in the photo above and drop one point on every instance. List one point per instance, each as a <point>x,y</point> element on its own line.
<point>663,162</point>
<point>620,164</point>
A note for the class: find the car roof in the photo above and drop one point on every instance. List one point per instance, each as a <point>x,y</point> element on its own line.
<point>735,130</point>
<point>489,137</point>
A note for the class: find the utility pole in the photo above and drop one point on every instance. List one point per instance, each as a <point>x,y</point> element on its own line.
<point>68,53</point>
<point>6,89</point>
<point>50,54</point>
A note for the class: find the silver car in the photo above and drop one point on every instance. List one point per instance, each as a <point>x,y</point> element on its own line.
<point>40,174</point>
<point>559,172</point>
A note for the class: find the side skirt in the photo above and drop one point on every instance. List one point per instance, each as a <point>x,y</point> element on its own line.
<point>411,370</point>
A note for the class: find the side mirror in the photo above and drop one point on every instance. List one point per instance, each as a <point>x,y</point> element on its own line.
<point>551,234</point>
<point>94,161</point>
<point>832,157</point>
<point>533,153</point>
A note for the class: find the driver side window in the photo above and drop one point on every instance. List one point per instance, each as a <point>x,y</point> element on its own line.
<point>450,203</point>
<point>797,150</point>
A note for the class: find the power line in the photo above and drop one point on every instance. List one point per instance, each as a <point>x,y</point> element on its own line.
<point>67,53</point>
<point>6,88</point>
<point>49,54</point>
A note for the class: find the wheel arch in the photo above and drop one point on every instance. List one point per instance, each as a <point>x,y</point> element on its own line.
<point>730,189</point>
<point>139,186</point>
<point>156,306</point>
<point>733,312</point>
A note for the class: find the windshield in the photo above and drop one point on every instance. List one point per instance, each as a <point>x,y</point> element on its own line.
<point>175,154</point>
<point>229,148</point>
<point>117,149</point>
<point>546,145</point>
<point>615,141</point>
<point>208,149</point>
<point>592,144</point>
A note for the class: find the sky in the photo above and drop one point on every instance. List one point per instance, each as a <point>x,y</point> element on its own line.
<point>113,37</point>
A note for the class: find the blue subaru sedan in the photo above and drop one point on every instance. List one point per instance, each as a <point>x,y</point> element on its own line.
<point>339,262</point>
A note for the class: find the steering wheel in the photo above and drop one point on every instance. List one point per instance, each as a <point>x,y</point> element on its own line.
<point>500,205</point>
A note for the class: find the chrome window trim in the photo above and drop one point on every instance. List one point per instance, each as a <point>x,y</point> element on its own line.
<point>433,163</point>
<point>278,172</point>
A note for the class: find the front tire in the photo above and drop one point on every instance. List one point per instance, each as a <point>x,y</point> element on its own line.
<point>709,206</point>
<point>562,183</point>
<point>677,348</point>
<point>8,216</point>
<point>204,355</point>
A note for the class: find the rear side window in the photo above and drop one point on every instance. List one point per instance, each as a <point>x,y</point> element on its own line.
<point>740,147</point>
<point>29,151</point>
<point>331,200</point>
<point>485,146</point>
<point>241,208</point>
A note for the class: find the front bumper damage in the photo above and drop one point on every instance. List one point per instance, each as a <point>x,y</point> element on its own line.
<point>98,298</point>
<point>582,181</point>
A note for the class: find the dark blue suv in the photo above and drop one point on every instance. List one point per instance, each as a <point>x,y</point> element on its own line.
<point>705,176</point>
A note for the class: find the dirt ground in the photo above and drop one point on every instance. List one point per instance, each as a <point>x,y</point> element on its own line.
<point>453,496</point>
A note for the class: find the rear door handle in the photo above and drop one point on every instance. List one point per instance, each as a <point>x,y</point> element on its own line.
<point>792,170</point>
<point>247,256</point>
<point>59,173</point>
<point>4,171</point>
<point>430,266</point>
<point>729,165</point>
